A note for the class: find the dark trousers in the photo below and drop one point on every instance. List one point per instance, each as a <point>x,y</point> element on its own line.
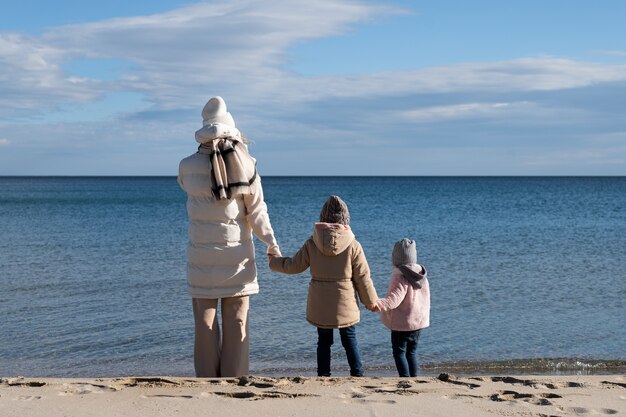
<point>348,340</point>
<point>404,346</point>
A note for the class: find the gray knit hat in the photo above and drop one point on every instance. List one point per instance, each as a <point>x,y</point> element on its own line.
<point>335,211</point>
<point>404,252</point>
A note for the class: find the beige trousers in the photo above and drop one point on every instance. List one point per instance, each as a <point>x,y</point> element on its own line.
<point>226,354</point>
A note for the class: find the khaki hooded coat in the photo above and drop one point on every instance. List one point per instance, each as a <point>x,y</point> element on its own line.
<point>340,275</point>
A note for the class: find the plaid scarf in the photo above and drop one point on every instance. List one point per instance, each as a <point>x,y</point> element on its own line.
<point>233,170</point>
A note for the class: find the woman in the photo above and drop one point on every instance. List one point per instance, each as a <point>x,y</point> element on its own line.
<point>225,205</point>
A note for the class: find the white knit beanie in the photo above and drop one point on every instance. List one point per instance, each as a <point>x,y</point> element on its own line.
<point>214,111</point>
<point>404,252</point>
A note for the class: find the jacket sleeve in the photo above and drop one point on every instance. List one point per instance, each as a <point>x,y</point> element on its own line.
<point>395,294</point>
<point>259,220</point>
<point>361,276</point>
<point>294,265</point>
<point>180,176</point>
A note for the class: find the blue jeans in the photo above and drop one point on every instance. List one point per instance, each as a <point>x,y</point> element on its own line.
<point>404,345</point>
<point>348,340</point>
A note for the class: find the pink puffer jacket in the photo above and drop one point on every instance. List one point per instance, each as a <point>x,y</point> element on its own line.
<point>406,307</point>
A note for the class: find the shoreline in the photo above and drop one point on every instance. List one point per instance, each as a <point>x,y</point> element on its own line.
<point>545,366</point>
<point>444,395</point>
<point>530,366</point>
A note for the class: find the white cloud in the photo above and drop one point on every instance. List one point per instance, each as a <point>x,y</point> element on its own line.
<point>532,74</point>
<point>459,111</point>
<point>31,76</point>
<point>4,141</point>
<point>179,57</point>
<point>239,50</point>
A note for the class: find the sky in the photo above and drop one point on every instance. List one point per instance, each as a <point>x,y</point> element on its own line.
<point>441,87</point>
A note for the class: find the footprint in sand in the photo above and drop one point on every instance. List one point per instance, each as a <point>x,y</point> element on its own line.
<point>29,397</point>
<point>278,394</point>
<point>400,388</point>
<point>468,397</point>
<point>357,395</point>
<point>582,410</point>
<point>261,395</point>
<point>173,397</point>
<point>241,395</point>
<point>535,384</point>
<point>529,398</point>
<point>549,395</point>
<point>264,383</point>
<point>456,381</point>
<point>258,382</point>
<point>83,388</point>
<point>404,384</point>
<point>578,410</point>
<point>217,381</point>
<point>267,382</point>
<point>19,382</point>
<point>618,384</point>
<point>149,382</point>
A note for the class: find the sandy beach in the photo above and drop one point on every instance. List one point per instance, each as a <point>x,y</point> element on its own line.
<point>445,395</point>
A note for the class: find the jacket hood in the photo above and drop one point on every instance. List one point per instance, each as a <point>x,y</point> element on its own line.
<point>214,131</point>
<point>332,238</point>
<point>414,273</point>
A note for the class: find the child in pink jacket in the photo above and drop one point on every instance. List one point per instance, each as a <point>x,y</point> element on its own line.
<point>406,307</point>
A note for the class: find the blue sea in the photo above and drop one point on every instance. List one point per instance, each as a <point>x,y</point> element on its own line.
<point>527,274</point>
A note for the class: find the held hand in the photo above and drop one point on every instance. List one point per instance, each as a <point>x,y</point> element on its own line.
<point>271,256</point>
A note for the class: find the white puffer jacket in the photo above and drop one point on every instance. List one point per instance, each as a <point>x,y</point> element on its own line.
<point>220,254</point>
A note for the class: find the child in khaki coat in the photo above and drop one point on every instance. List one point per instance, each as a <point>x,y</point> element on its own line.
<point>338,268</point>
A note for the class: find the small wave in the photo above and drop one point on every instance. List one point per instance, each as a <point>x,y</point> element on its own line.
<point>535,366</point>
<point>531,366</point>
